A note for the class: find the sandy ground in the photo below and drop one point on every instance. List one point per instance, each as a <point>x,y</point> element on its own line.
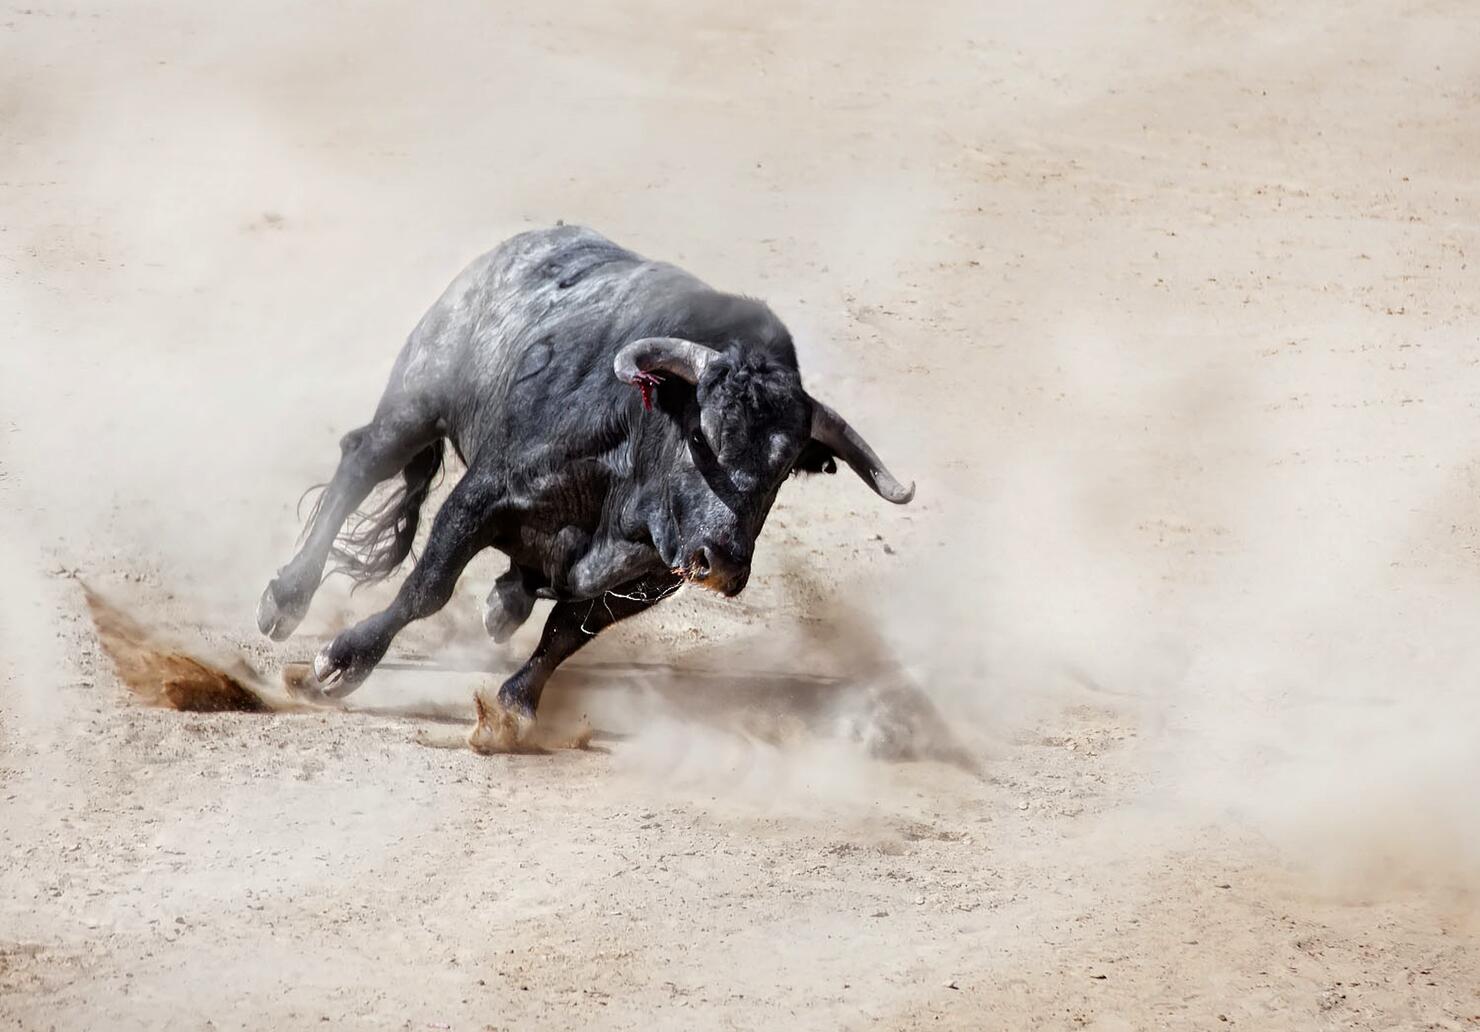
<point>1169,308</point>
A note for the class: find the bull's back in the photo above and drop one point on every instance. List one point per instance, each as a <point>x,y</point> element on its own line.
<point>516,356</point>
<point>530,326</point>
<point>466,338</point>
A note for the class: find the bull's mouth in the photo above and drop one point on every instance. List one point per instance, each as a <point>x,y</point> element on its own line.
<point>710,580</point>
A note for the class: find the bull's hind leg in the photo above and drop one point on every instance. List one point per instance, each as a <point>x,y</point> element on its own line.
<point>398,440</point>
<point>504,720</point>
<point>462,529</point>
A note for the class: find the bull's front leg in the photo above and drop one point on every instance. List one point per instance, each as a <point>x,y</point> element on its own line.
<point>600,569</point>
<point>607,565</point>
<point>506,718</point>
<point>460,532</point>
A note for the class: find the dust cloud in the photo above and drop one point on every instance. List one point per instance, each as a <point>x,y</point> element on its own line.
<point>160,673</point>
<point>1289,625</point>
<point>1154,708</point>
<point>1239,557</point>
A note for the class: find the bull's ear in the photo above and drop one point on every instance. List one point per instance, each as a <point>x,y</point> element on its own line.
<point>835,434</point>
<point>814,458</point>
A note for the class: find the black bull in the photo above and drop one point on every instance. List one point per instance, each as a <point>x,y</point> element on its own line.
<point>604,497</point>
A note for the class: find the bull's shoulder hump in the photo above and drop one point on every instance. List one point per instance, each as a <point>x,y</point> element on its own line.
<point>532,248</point>
<point>559,257</point>
<point>541,244</point>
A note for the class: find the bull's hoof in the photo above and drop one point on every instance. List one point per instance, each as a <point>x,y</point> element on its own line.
<point>501,729</point>
<point>500,623</point>
<point>278,619</point>
<point>335,674</point>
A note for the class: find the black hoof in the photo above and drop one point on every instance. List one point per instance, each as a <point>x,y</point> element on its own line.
<point>277,618</point>
<point>337,670</point>
<point>500,623</point>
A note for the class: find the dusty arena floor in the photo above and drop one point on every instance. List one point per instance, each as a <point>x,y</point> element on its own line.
<point>1156,710</point>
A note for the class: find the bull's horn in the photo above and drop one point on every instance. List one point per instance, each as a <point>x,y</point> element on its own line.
<point>833,432</point>
<point>682,358</point>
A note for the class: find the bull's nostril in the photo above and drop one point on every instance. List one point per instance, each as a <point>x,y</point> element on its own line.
<point>702,563</point>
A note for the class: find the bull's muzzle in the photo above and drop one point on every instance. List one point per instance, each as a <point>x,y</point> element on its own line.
<point>713,567</point>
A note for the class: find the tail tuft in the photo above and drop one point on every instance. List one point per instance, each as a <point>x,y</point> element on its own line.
<point>374,543</point>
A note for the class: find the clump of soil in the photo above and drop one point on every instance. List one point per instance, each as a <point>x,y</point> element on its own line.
<point>299,682</point>
<point>501,731</point>
<point>160,674</point>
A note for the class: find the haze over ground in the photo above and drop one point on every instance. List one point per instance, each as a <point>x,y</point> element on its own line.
<point>1170,311</point>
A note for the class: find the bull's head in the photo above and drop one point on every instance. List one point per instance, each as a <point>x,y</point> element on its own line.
<point>746,427</point>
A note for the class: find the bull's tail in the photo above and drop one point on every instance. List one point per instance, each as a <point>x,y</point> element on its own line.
<point>374,542</point>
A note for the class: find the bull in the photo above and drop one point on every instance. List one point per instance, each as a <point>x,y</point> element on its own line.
<point>625,429</point>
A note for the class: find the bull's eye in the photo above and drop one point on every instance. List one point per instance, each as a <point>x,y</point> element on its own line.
<point>696,437</point>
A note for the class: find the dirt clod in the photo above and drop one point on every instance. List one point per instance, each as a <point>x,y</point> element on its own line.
<point>160,674</point>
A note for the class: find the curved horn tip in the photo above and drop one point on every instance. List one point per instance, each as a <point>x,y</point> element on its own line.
<point>899,495</point>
